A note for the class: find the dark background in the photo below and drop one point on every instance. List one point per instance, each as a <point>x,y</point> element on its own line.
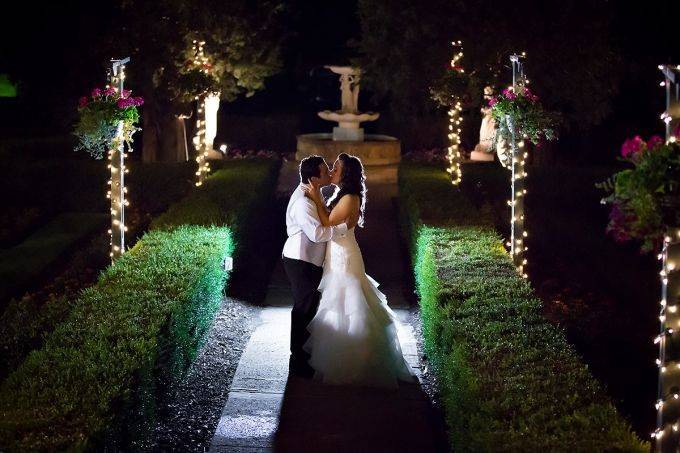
<point>53,51</point>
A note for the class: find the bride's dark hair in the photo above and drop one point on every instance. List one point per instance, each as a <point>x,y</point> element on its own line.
<point>352,181</point>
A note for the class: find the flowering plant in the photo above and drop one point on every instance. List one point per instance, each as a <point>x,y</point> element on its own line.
<point>238,153</point>
<point>520,109</point>
<point>99,116</point>
<point>431,155</point>
<point>645,199</point>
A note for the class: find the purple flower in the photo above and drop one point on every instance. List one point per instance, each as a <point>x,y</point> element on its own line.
<point>82,102</point>
<point>96,93</point>
<point>507,91</point>
<point>109,91</point>
<point>632,146</point>
<point>654,142</point>
<point>123,103</point>
<point>511,95</point>
<point>125,94</point>
<point>138,101</point>
<point>492,102</point>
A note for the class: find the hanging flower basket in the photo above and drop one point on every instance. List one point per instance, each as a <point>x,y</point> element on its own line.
<point>645,199</point>
<point>99,117</point>
<point>521,109</point>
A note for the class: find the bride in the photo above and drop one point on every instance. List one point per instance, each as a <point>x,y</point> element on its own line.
<point>353,337</point>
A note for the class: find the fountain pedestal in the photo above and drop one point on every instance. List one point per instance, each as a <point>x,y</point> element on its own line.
<point>347,136</point>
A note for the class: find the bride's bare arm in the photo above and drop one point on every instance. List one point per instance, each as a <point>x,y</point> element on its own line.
<point>345,209</point>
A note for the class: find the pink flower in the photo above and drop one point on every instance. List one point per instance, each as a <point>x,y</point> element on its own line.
<point>654,142</point>
<point>618,221</point>
<point>137,101</point>
<point>96,93</point>
<point>492,102</point>
<point>122,103</point>
<point>125,94</point>
<point>507,91</point>
<point>632,146</point>
<point>511,95</point>
<point>82,102</point>
<point>109,91</point>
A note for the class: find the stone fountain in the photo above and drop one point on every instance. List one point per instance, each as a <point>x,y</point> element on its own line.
<point>348,136</point>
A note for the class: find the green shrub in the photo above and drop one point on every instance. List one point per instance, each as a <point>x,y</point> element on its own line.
<point>100,374</point>
<point>26,321</point>
<point>24,263</point>
<point>509,380</point>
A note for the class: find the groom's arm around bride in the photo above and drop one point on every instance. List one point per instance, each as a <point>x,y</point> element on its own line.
<point>303,256</point>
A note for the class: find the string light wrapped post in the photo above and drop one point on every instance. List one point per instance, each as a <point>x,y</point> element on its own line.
<point>518,233</point>
<point>455,120</point>
<point>208,104</point>
<point>117,191</point>
<point>667,433</point>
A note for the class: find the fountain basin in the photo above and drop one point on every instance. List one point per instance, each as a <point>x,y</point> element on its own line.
<point>374,150</point>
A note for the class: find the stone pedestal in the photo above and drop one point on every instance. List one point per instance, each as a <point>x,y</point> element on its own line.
<point>481,156</point>
<point>348,134</point>
<point>374,150</point>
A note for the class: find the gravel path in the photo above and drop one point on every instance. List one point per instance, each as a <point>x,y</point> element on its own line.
<point>190,417</point>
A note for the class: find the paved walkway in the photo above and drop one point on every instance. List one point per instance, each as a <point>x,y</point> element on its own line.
<point>269,411</point>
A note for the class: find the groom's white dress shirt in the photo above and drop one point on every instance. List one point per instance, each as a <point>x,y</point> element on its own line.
<point>307,237</point>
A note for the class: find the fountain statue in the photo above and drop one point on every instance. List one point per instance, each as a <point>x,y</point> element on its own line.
<point>484,149</point>
<point>348,117</point>
<point>347,136</point>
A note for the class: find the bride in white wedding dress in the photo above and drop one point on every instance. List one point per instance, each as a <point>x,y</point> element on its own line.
<point>353,337</point>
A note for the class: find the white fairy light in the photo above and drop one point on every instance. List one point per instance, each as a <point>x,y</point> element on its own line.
<point>206,123</point>
<point>116,155</point>
<point>455,120</point>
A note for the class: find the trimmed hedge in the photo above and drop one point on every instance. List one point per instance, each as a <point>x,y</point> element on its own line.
<point>98,377</point>
<point>24,263</point>
<point>508,378</point>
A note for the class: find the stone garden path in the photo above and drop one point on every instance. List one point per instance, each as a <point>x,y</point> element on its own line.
<point>269,411</point>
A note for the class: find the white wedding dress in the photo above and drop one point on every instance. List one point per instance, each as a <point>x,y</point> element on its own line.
<point>353,337</point>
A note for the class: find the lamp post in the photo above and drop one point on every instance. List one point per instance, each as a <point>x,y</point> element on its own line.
<point>667,433</point>
<point>518,173</point>
<point>117,168</point>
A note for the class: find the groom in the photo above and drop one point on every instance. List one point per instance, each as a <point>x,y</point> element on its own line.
<point>303,256</point>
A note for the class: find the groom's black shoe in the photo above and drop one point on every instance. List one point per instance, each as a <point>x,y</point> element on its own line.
<point>300,368</point>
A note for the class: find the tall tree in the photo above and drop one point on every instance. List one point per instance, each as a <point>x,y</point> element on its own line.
<point>242,43</point>
<point>571,59</point>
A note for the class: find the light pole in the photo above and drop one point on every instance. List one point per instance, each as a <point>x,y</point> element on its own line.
<point>667,405</point>
<point>117,168</point>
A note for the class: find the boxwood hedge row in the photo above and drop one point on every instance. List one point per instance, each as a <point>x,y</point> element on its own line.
<point>98,377</point>
<point>509,380</point>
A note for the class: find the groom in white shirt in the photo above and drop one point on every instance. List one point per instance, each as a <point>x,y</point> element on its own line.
<point>303,256</point>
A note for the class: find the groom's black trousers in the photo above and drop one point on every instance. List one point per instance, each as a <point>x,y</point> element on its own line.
<point>304,280</point>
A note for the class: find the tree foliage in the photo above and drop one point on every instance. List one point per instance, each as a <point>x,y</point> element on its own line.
<point>571,62</point>
<point>242,41</point>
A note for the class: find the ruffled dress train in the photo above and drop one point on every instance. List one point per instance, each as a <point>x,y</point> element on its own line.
<point>353,337</point>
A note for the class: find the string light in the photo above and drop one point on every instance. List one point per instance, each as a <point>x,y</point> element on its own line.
<point>455,121</point>
<point>668,360</point>
<point>517,176</point>
<point>206,122</point>
<point>116,155</point>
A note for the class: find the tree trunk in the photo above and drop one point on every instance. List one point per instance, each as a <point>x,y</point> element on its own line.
<point>163,135</point>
